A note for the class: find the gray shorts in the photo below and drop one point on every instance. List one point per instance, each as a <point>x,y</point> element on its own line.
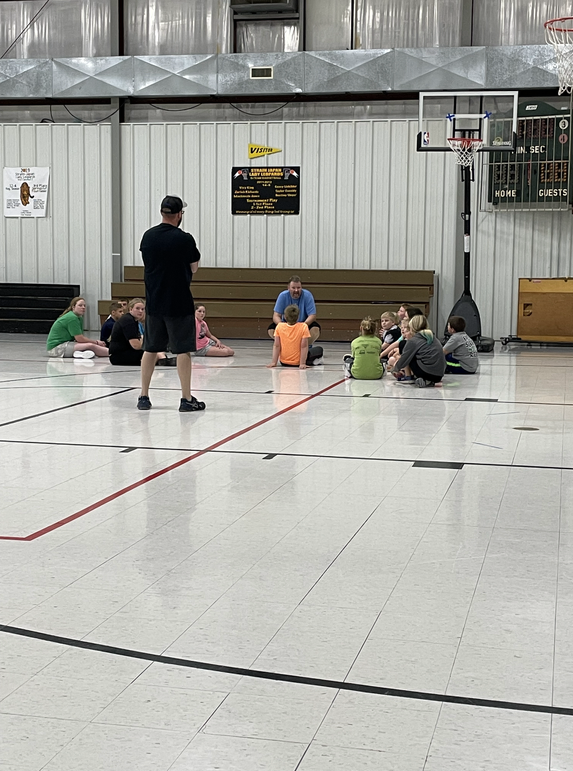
<point>63,351</point>
<point>176,333</point>
<point>203,351</point>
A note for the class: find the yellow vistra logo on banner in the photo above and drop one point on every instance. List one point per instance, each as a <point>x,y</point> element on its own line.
<point>257,151</point>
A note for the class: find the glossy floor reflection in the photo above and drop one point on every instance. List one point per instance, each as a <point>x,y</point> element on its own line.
<point>290,528</point>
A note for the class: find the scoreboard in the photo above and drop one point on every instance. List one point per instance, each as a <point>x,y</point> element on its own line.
<point>537,175</point>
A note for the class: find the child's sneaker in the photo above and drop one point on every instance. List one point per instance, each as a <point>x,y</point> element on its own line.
<point>347,366</point>
<point>421,383</point>
<point>316,362</point>
<point>144,403</point>
<point>84,354</point>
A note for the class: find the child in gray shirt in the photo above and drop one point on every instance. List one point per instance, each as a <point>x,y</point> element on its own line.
<point>461,352</point>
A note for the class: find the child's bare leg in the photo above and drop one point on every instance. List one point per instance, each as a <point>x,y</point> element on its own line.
<point>224,350</point>
<point>99,350</point>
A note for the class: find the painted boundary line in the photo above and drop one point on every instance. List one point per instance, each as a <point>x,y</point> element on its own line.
<point>419,463</point>
<point>166,470</point>
<point>260,674</point>
<point>65,407</point>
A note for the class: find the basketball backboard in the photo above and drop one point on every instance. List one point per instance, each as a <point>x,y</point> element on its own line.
<point>445,114</point>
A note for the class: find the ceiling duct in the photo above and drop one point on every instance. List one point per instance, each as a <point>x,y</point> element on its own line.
<point>255,7</point>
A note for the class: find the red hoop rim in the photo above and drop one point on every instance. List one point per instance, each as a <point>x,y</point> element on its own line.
<point>548,24</point>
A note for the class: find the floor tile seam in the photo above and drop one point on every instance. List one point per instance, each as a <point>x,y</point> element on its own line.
<point>315,583</point>
<point>65,407</point>
<point>415,695</point>
<point>247,571</point>
<point>399,578</point>
<point>470,604</point>
<point>554,657</point>
<point>167,469</point>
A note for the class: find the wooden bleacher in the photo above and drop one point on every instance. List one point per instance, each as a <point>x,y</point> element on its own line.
<point>240,301</point>
<point>33,308</point>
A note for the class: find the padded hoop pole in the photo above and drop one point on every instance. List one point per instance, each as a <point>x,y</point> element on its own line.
<point>466,216</point>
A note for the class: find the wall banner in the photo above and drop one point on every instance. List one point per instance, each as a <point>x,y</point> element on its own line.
<point>26,192</point>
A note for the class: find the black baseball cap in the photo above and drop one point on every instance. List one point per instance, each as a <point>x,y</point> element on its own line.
<point>172,204</point>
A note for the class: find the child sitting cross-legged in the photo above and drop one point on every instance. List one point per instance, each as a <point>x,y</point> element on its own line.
<point>291,343</point>
<point>422,361</point>
<point>460,349</point>
<point>364,363</point>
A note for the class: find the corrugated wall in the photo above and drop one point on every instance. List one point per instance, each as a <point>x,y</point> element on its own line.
<point>368,200</point>
<point>72,244</point>
<point>509,246</point>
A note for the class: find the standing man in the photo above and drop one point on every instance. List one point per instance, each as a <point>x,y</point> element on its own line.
<point>170,257</point>
<point>303,299</point>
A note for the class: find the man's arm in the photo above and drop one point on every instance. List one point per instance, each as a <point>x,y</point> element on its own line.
<point>310,307</point>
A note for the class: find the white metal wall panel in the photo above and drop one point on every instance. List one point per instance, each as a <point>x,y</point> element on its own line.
<point>513,245</point>
<point>72,244</point>
<point>368,200</point>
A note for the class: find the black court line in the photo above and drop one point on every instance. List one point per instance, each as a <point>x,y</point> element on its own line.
<point>437,464</point>
<point>479,399</point>
<point>129,449</point>
<point>339,685</point>
<point>264,455</point>
<point>66,407</point>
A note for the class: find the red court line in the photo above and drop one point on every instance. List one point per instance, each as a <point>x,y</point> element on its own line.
<point>166,470</point>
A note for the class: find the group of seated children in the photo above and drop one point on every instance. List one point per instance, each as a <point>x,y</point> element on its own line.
<point>124,329</point>
<point>412,353</point>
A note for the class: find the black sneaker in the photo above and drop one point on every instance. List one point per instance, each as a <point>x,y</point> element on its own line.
<point>191,405</point>
<point>143,403</point>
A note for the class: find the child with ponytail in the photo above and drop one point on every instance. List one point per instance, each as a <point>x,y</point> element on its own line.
<point>364,363</point>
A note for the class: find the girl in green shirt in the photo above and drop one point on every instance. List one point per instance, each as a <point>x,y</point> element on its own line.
<point>67,340</point>
<point>364,363</point>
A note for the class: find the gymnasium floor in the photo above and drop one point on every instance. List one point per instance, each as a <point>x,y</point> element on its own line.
<point>343,533</point>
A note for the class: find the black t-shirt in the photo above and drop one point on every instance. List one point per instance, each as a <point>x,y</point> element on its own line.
<point>167,255</point>
<point>125,329</point>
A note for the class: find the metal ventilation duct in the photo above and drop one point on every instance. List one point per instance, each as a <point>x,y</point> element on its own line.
<point>263,6</point>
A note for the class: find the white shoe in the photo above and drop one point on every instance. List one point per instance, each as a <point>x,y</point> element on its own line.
<point>316,362</point>
<point>84,354</point>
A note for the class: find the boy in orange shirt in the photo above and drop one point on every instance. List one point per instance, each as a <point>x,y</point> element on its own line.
<point>291,343</point>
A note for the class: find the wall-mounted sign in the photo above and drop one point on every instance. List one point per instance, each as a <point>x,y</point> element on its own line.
<point>257,151</point>
<point>26,192</point>
<point>265,190</point>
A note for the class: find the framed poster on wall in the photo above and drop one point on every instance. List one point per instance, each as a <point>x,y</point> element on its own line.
<point>26,191</point>
<point>265,190</point>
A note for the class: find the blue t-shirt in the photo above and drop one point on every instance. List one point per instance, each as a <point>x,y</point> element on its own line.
<point>305,303</point>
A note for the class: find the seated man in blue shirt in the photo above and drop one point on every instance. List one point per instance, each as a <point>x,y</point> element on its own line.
<point>303,299</point>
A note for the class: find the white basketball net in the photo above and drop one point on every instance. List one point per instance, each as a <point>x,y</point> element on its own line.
<point>559,34</point>
<point>465,149</point>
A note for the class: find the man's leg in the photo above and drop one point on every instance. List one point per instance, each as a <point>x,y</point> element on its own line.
<point>184,372</point>
<point>314,333</point>
<point>271,330</point>
<point>147,366</point>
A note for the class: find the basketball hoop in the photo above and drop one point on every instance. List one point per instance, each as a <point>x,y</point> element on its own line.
<point>465,149</point>
<point>559,34</point>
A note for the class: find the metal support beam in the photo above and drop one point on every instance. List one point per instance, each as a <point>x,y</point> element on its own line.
<point>116,27</point>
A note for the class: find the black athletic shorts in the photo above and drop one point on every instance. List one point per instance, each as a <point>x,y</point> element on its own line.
<point>272,325</point>
<point>176,333</point>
